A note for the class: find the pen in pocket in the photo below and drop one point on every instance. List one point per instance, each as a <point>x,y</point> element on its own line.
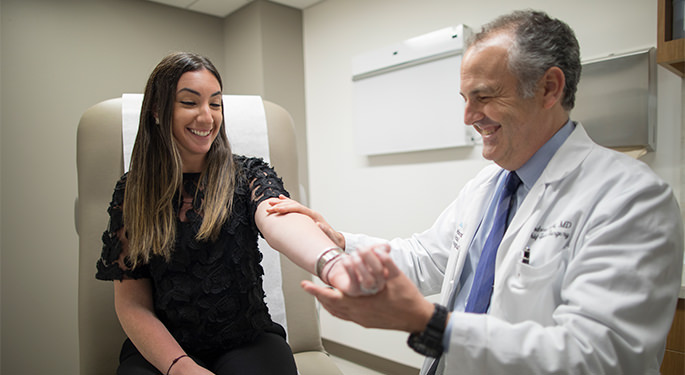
<point>526,256</point>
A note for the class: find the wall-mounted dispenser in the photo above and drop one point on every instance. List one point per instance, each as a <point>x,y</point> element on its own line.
<point>616,100</point>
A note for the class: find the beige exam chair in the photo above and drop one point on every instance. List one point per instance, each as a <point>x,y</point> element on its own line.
<point>99,165</point>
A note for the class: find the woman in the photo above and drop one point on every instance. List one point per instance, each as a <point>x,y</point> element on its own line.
<point>181,245</point>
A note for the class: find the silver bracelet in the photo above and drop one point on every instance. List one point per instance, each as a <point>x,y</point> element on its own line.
<point>324,258</point>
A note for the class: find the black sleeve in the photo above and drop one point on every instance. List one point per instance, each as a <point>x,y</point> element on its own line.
<point>112,265</point>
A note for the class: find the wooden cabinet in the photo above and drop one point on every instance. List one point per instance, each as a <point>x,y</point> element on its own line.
<point>674,358</point>
<point>670,50</point>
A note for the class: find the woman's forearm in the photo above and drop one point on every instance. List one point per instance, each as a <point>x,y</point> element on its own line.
<point>133,305</point>
<point>295,235</point>
<point>302,241</point>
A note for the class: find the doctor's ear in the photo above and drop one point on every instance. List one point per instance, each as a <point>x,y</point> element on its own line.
<point>553,82</point>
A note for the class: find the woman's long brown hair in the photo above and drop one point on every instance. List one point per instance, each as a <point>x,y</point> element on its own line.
<point>156,173</point>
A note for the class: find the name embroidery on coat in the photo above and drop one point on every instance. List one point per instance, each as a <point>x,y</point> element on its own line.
<point>562,229</point>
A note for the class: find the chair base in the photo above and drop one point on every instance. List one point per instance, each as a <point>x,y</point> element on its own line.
<point>318,363</point>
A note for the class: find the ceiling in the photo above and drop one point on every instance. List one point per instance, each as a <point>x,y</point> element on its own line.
<point>222,8</point>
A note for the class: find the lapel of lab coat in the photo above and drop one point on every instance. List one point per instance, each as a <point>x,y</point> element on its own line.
<point>569,157</point>
<point>479,198</point>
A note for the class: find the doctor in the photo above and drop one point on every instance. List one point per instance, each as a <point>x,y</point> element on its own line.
<point>587,274</point>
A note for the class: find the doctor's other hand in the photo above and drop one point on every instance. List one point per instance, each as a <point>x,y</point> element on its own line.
<point>399,306</point>
<point>286,205</point>
<point>360,274</point>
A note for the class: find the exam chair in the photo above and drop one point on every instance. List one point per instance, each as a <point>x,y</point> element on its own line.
<point>99,165</point>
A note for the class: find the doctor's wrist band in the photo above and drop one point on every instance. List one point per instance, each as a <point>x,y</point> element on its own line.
<point>327,256</point>
<point>429,341</point>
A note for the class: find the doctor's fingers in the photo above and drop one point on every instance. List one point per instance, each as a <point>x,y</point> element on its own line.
<point>337,237</point>
<point>355,287</point>
<point>371,257</point>
<point>325,293</point>
<point>287,205</point>
<point>284,205</point>
<point>365,311</point>
<point>331,299</point>
<point>361,282</point>
<point>371,281</point>
<point>389,265</point>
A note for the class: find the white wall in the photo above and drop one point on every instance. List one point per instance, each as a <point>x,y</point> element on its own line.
<point>396,195</point>
<point>263,55</point>
<point>58,59</point>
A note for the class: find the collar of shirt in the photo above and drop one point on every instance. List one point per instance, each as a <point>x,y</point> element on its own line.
<point>532,169</point>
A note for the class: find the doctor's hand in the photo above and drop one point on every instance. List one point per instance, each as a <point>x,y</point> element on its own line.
<point>286,205</point>
<point>358,274</point>
<point>398,306</point>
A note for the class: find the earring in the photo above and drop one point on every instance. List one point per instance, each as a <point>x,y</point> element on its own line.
<point>157,120</point>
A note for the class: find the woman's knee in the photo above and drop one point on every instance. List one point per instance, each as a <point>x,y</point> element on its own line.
<point>269,354</point>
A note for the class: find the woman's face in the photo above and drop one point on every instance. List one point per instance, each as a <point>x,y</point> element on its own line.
<point>197,117</point>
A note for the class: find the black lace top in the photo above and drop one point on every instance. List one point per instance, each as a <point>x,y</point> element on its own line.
<point>209,295</point>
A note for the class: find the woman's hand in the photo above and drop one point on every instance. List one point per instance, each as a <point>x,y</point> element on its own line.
<point>286,205</point>
<point>187,366</point>
<point>134,306</point>
<point>359,274</point>
<point>398,306</point>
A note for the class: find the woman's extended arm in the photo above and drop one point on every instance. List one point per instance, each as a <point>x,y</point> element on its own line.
<point>133,305</point>
<point>284,205</point>
<point>300,239</point>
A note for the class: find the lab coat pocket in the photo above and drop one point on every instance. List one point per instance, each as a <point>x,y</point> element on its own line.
<point>534,289</point>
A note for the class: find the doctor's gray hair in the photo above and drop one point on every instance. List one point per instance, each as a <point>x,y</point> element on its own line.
<point>540,42</point>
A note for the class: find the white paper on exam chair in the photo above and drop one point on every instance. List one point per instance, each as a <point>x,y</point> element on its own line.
<point>247,132</point>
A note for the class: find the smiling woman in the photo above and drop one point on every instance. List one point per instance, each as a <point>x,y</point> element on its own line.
<point>181,244</point>
<point>164,149</point>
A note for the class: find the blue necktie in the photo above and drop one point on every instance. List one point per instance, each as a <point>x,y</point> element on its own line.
<point>481,291</point>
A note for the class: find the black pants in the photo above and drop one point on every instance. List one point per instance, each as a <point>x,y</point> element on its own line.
<point>268,354</point>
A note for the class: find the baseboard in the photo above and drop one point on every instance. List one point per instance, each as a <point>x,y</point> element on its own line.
<point>368,360</point>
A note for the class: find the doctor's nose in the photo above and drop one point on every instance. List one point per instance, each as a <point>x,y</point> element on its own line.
<point>472,113</point>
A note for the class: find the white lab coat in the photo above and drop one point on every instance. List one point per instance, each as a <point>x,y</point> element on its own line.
<point>598,297</point>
